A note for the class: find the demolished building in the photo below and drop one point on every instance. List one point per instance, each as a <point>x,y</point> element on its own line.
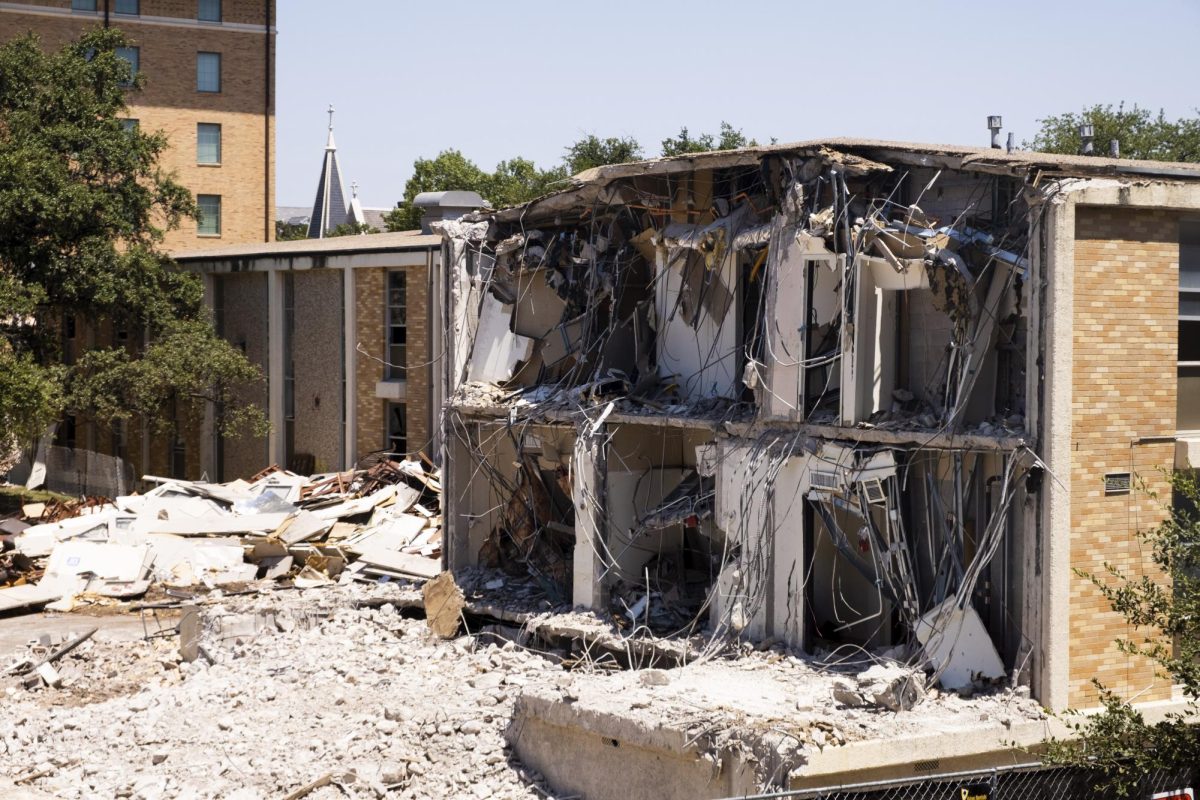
<point>838,394</point>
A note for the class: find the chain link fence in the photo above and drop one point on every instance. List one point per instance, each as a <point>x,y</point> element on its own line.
<point>1032,782</point>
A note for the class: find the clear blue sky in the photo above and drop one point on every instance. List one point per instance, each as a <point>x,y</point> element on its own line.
<point>499,79</point>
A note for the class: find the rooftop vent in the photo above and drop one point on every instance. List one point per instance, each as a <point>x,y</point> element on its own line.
<point>436,206</point>
<point>994,125</point>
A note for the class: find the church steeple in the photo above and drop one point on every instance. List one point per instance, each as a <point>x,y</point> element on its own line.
<point>329,207</point>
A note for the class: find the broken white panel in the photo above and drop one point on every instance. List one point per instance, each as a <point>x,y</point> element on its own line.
<point>497,352</point>
<point>702,357</point>
<point>390,534</point>
<point>304,526</point>
<point>27,595</point>
<point>38,541</point>
<point>226,525</point>
<point>357,505</point>
<point>958,645</point>
<point>216,564</point>
<point>98,567</point>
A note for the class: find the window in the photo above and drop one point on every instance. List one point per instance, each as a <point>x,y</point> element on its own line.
<point>397,332</point>
<point>130,125</point>
<point>208,143</point>
<point>127,7</point>
<point>131,56</point>
<point>1187,416</point>
<point>83,5</point>
<point>65,435</point>
<point>209,11</point>
<point>120,439</point>
<point>208,72</point>
<point>397,428</point>
<point>210,214</point>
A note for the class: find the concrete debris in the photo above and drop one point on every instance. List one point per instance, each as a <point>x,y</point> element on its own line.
<point>444,604</point>
<point>190,535</point>
<point>364,696</point>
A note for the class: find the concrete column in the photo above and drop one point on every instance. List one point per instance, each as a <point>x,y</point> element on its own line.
<point>588,470</point>
<point>1051,546</point>
<point>276,441</point>
<point>350,364</point>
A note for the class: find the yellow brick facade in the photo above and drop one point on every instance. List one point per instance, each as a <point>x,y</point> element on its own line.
<point>371,328</point>
<point>1124,388</point>
<point>168,38</point>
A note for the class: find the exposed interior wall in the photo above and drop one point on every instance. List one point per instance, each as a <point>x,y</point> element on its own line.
<point>1124,387</point>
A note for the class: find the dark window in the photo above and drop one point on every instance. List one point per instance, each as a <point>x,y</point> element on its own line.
<point>1187,408</point>
<point>397,432</point>
<point>208,72</point>
<point>83,5</point>
<point>130,125</point>
<point>210,214</point>
<point>131,56</point>
<point>127,7</point>
<point>397,331</point>
<point>209,11</point>
<point>69,326</point>
<point>208,143</point>
<point>65,436</point>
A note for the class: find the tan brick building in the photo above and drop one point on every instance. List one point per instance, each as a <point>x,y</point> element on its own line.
<point>209,68</point>
<point>340,327</point>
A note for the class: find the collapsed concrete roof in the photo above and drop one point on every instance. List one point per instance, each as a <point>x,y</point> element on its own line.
<point>860,156</point>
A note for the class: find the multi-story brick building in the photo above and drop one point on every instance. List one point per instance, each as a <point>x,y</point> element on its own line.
<point>209,68</point>
<point>209,85</point>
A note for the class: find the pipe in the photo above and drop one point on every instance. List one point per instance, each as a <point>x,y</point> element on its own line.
<point>268,212</point>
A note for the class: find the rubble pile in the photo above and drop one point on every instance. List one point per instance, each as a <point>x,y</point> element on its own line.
<point>294,695</point>
<point>381,522</point>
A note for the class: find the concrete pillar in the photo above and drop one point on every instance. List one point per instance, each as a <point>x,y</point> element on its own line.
<point>588,468</point>
<point>276,441</point>
<point>1049,550</point>
<point>350,365</point>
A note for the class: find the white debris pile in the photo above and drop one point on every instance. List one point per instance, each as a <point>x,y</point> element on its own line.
<point>383,521</point>
<point>312,702</point>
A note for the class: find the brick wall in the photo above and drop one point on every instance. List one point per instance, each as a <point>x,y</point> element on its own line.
<point>370,305</point>
<point>1124,382</point>
<point>169,102</point>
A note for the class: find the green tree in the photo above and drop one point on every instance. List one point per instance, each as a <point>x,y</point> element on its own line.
<point>1141,133</point>
<point>289,233</point>
<point>83,210</point>
<point>730,138</point>
<point>449,171</point>
<point>351,229</point>
<point>1164,610</point>
<point>592,151</point>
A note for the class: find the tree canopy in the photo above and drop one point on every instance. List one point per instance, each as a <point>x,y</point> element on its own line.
<point>1140,132</point>
<point>84,207</point>
<point>518,180</point>
<point>729,138</point>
